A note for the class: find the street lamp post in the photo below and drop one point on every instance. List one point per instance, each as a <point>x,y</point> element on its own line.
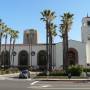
<point>31,36</point>
<point>0,47</point>
<point>31,54</point>
<point>0,39</point>
<point>28,38</point>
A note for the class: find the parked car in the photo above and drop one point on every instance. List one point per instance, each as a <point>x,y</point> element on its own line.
<point>24,74</point>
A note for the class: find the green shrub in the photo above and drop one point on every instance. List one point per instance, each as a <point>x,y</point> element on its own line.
<point>57,73</point>
<point>42,74</point>
<point>75,70</point>
<point>8,71</point>
<point>53,73</point>
<point>86,69</point>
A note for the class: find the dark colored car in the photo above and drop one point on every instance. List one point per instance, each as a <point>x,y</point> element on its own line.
<point>24,74</point>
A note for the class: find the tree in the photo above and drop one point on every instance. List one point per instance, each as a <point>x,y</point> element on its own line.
<point>64,29</point>
<point>1,35</point>
<point>11,38</point>
<point>6,31</point>
<point>47,17</point>
<point>15,35</point>
<point>52,33</point>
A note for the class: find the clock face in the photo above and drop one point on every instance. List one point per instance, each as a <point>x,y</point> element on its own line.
<point>88,36</point>
<point>84,24</point>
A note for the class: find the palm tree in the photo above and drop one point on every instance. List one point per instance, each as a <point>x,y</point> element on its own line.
<point>11,38</point>
<point>1,35</point>
<point>52,33</point>
<point>64,29</point>
<point>15,35</point>
<point>6,31</point>
<point>47,17</point>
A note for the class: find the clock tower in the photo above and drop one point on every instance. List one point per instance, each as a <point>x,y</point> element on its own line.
<point>85,32</point>
<point>85,29</point>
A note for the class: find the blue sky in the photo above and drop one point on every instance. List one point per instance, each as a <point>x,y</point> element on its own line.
<point>25,14</point>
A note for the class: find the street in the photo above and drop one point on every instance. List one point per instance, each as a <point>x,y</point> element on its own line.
<point>7,83</point>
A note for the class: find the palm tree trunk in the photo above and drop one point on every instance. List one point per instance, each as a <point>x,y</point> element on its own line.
<point>65,50</point>
<point>0,49</point>
<point>47,45</point>
<point>13,52</point>
<point>5,41</point>
<point>67,63</point>
<point>50,51</point>
<point>10,50</point>
<point>5,64</point>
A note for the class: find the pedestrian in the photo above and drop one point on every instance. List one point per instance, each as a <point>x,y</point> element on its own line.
<point>69,75</point>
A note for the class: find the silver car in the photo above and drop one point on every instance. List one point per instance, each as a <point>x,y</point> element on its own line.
<point>24,74</point>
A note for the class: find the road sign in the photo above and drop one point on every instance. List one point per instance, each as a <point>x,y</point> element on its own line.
<point>33,53</point>
<point>14,53</point>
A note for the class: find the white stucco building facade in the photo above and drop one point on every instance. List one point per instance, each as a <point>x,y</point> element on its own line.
<point>79,51</point>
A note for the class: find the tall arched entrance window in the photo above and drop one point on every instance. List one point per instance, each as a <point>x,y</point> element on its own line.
<point>41,60</point>
<point>72,56</point>
<point>5,59</point>
<point>23,59</point>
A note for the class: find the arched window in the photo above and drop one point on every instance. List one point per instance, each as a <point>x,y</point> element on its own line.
<point>23,59</point>
<point>5,59</point>
<point>72,56</point>
<point>41,59</point>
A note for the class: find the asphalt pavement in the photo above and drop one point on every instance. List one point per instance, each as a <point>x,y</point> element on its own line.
<point>30,84</point>
<point>9,82</point>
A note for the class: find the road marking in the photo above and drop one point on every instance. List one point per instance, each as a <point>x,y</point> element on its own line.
<point>68,88</point>
<point>74,85</point>
<point>59,88</point>
<point>34,82</point>
<point>45,86</point>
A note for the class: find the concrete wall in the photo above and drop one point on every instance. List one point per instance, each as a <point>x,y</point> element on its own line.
<point>59,55</point>
<point>57,52</point>
<point>35,48</point>
<point>81,49</point>
<point>88,52</point>
<point>79,46</point>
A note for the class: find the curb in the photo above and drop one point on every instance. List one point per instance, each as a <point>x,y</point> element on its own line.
<point>62,79</point>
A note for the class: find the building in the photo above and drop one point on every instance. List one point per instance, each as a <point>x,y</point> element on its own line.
<point>79,51</point>
<point>30,36</point>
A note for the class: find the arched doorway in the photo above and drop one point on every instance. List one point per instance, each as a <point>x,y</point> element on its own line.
<point>5,59</point>
<point>42,60</point>
<point>72,56</point>
<point>23,59</point>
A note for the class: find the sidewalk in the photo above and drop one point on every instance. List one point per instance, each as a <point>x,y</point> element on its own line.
<point>9,75</point>
<point>17,74</point>
<point>47,78</point>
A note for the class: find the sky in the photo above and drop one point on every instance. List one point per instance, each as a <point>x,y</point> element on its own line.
<point>25,14</point>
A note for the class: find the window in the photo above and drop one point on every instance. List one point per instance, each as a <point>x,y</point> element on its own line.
<point>88,23</point>
<point>88,38</point>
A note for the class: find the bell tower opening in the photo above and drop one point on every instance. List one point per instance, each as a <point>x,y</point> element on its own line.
<point>85,29</point>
